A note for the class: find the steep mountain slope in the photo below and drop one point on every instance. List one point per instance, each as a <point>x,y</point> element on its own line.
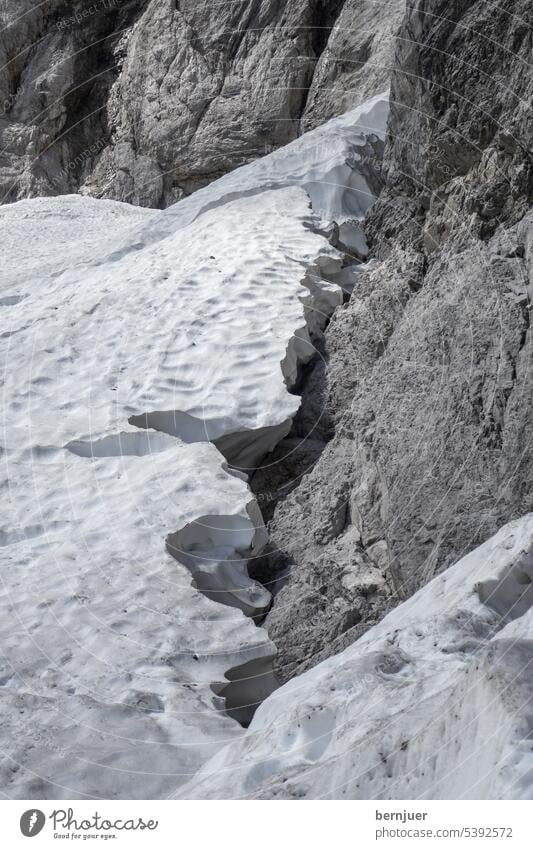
<point>145,100</point>
<point>428,385</point>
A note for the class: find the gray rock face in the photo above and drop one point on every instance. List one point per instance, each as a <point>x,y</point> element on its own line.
<point>57,67</point>
<point>357,59</point>
<point>146,100</point>
<point>428,383</point>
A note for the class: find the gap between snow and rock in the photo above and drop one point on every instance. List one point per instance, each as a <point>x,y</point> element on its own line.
<point>329,280</point>
<point>216,549</point>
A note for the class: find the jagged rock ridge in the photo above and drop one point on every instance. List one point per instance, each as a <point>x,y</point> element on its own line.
<point>146,100</point>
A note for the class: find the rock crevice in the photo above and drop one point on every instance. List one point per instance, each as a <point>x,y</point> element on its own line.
<point>428,385</point>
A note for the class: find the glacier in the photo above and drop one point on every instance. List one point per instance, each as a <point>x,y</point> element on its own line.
<point>148,362</point>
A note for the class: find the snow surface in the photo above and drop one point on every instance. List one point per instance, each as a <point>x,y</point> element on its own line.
<point>108,651</point>
<point>43,237</point>
<point>188,332</point>
<point>131,341</point>
<point>432,703</point>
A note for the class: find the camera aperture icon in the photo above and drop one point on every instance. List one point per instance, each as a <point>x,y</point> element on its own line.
<point>32,822</point>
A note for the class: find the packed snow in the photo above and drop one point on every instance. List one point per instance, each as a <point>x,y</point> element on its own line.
<point>108,651</point>
<point>432,703</point>
<point>142,352</point>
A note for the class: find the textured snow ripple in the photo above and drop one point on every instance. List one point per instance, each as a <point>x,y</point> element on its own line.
<point>218,312</point>
<point>122,445</point>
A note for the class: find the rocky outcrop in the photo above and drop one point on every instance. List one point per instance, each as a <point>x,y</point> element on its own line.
<point>146,100</point>
<point>58,62</point>
<point>427,384</point>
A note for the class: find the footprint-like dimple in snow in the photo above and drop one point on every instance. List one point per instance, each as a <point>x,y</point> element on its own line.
<point>511,592</point>
<point>313,734</point>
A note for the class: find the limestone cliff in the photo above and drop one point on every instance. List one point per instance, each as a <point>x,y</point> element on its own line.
<point>146,100</point>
